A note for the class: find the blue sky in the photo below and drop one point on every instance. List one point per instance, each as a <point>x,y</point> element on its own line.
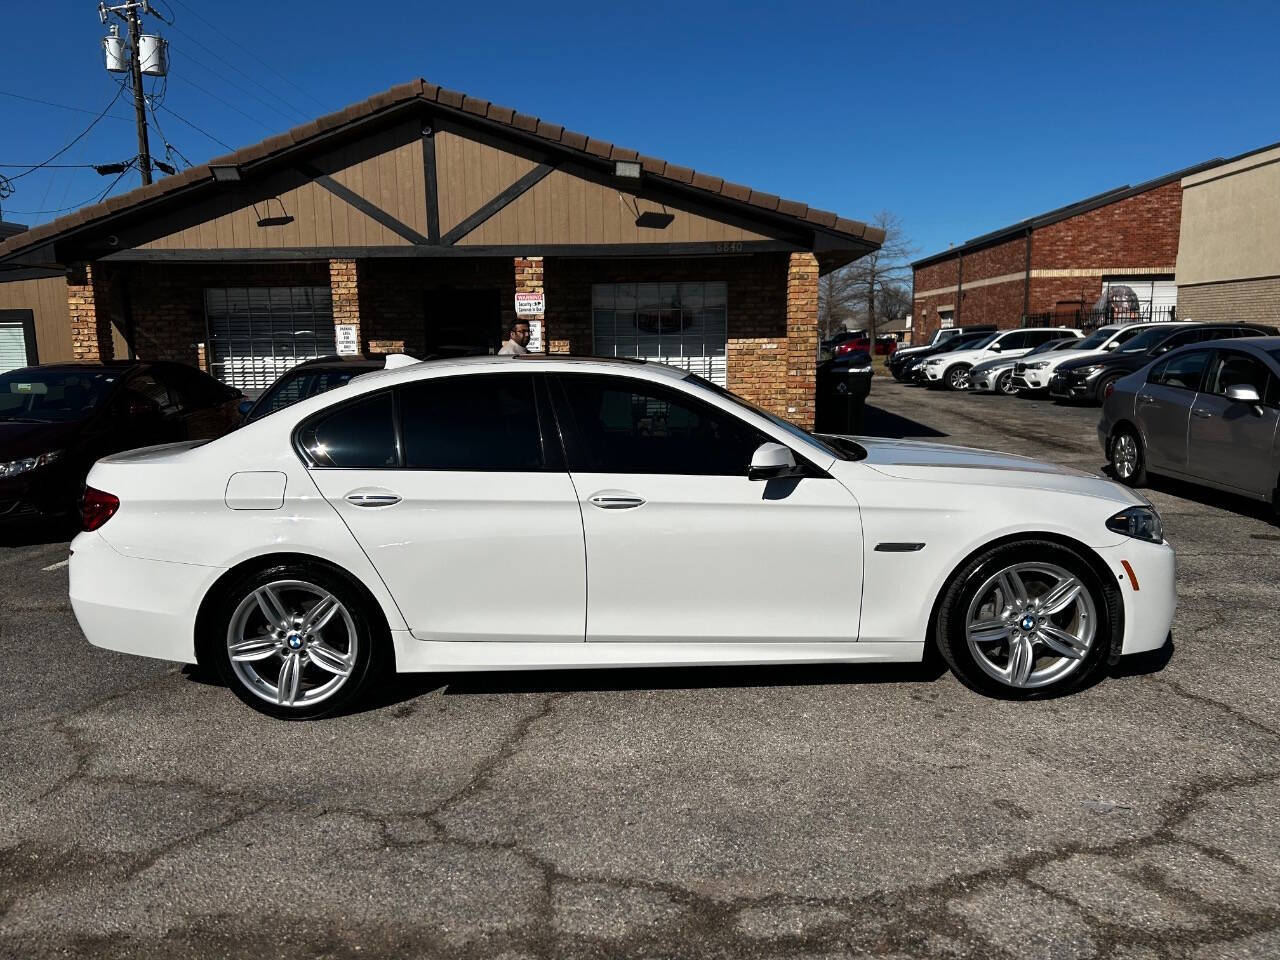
<point>960,118</point>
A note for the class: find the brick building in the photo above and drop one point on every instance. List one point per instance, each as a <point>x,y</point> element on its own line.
<point>411,222</point>
<point>1054,269</point>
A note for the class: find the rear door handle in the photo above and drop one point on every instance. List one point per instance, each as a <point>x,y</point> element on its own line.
<point>1202,414</point>
<point>615,500</point>
<point>372,498</point>
<point>1146,398</point>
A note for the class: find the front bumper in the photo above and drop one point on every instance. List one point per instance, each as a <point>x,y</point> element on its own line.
<point>1027,379</point>
<point>931,374</point>
<point>144,607</point>
<point>1148,608</point>
<point>1070,386</point>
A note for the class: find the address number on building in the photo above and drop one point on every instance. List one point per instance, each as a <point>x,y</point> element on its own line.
<point>531,304</point>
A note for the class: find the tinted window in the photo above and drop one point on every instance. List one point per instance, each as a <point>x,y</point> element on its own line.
<point>293,387</point>
<point>1239,370</point>
<point>471,423</point>
<point>147,387</point>
<point>1015,341</point>
<point>632,426</point>
<point>1185,370</point>
<point>52,395</point>
<point>1147,338</point>
<point>360,434</point>
<point>191,389</point>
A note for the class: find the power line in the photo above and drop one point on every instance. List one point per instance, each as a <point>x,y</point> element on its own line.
<point>259,84</point>
<point>226,103</point>
<point>96,198</point>
<point>232,83</point>
<point>49,166</point>
<point>203,133</point>
<point>61,106</point>
<point>78,138</point>
<point>253,55</point>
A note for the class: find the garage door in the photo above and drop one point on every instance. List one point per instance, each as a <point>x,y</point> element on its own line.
<point>683,324</point>
<point>257,333</point>
<point>17,340</point>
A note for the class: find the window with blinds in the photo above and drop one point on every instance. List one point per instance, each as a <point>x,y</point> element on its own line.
<point>13,346</point>
<point>257,333</point>
<point>683,324</point>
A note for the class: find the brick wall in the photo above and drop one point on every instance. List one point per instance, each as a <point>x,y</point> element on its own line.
<point>1248,300</point>
<point>344,285</point>
<point>90,314</point>
<point>1140,231</point>
<point>529,279</point>
<point>802,338</point>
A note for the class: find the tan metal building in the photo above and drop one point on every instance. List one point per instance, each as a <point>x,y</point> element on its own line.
<point>1229,248</point>
<point>414,221</point>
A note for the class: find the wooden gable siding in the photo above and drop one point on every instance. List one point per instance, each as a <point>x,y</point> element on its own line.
<point>288,210</point>
<point>46,298</point>
<point>470,173</point>
<point>565,208</point>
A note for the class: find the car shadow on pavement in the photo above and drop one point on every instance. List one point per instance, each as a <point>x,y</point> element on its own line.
<point>877,422</point>
<point>37,533</point>
<point>1242,506</point>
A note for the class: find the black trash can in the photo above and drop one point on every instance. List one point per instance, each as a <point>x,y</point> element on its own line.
<point>843,384</point>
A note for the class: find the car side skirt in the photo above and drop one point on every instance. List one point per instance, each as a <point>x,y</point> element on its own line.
<point>430,656</point>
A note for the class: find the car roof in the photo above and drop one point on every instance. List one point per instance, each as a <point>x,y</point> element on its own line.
<point>552,361</point>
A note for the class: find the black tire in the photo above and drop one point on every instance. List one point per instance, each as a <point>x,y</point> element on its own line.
<point>1004,384</point>
<point>373,657</point>
<point>1100,392</point>
<point>950,628</point>
<point>1127,438</point>
<point>952,375</point>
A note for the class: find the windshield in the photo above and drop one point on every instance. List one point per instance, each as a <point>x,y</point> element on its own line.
<point>1051,345</point>
<point>978,345</point>
<point>1148,339</point>
<point>840,449</point>
<point>52,396</point>
<point>1095,340</point>
<point>293,387</point>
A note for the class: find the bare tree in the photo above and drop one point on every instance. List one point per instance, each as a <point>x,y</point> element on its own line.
<point>881,281</point>
<point>836,302</point>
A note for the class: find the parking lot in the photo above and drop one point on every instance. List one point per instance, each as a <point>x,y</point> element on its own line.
<point>778,812</point>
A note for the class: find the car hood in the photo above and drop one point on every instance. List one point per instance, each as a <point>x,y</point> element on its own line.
<point>19,439</point>
<point>968,356</point>
<point>917,460</point>
<point>1059,357</point>
<point>999,363</point>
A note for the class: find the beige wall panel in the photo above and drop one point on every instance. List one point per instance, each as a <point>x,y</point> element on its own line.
<point>562,208</point>
<point>1231,223</point>
<point>47,300</point>
<point>470,174</point>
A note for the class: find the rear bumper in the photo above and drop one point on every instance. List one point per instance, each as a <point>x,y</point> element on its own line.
<point>144,607</point>
<point>1148,608</point>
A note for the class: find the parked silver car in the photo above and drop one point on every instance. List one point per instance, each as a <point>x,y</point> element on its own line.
<point>1206,413</point>
<point>997,375</point>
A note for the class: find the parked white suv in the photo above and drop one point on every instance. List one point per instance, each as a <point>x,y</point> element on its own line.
<point>1035,374</point>
<point>951,370</point>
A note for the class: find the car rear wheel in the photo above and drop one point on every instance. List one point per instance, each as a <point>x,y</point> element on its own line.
<point>1128,460</point>
<point>957,377</point>
<point>1004,383</point>
<point>297,641</point>
<point>1027,620</point>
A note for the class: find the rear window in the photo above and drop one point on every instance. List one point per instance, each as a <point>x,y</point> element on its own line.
<point>358,435</point>
<point>299,385</point>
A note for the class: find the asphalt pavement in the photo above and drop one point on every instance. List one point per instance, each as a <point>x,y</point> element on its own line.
<point>775,812</point>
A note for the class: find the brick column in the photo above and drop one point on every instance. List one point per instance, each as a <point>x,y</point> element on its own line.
<point>802,337</point>
<point>90,317</point>
<point>529,279</point>
<point>344,284</point>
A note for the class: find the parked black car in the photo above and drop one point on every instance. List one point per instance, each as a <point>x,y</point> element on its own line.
<point>909,369</point>
<point>57,420</point>
<point>1089,378</point>
<point>306,380</point>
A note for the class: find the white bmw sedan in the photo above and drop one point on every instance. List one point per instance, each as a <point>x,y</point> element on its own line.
<point>506,513</point>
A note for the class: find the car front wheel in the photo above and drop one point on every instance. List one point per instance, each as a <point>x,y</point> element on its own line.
<point>957,378</point>
<point>297,641</point>
<point>1005,384</point>
<point>1027,620</point>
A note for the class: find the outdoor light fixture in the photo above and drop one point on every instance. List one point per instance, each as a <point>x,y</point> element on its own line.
<point>630,169</point>
<point>227,174</point>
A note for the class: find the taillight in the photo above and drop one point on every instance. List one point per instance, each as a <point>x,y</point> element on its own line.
<point>96,508</point>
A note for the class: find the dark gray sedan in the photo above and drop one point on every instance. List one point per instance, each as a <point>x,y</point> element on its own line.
<point>1206,413</point>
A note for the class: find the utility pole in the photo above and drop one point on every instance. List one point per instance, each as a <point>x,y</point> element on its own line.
<point>122,59</point>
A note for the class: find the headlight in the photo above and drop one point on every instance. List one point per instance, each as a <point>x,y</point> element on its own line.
<point>1089,371</point>
<point>1141,523</point>
<point>1038,365</point>
<point>27,464</point>
<point>932,363</point>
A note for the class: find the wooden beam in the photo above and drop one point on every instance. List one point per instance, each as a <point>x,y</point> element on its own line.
<point>370,210</point>
<point>522,185</point>
<point>429,177</point>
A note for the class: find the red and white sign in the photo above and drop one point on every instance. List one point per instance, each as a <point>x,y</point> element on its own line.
<point>531,304</point>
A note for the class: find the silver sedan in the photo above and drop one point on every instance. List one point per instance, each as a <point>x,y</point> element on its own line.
<point>997,375</point>
<point>1207,413</point>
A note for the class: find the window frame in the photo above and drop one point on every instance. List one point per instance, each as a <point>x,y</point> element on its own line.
<point>306,423</point>
<point>1165,361</point>
<point>1270,393</point>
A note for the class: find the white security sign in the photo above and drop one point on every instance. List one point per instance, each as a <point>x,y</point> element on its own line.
<point>531,304</point>
<point>347,338</point>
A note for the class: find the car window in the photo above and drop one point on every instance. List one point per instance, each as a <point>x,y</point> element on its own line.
<point>1231,369</point>
<point>355,435</point>
<point>633,426</point>
<point>51,395</point>
<point>299,384</point>
<point>1124,336</point>
<point>1014,341</point>
<point>146,386</point>
<point>1185,370</point>
<point>191,389</point>
<point>471,423</point>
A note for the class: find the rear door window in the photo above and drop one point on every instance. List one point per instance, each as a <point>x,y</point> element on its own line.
<point>357,435</point>
<point>1232,369</point>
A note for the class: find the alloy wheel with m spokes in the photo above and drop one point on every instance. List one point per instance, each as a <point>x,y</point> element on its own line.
<point>292,643</point>
<point>1031,624</point>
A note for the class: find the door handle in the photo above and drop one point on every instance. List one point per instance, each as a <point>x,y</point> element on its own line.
<point>372,498</point>
<point>1146,398</point>
<point>1202,414</point>
<point>617,501</point>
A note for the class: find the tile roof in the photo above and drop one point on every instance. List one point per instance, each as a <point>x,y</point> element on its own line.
<point>421,90</point>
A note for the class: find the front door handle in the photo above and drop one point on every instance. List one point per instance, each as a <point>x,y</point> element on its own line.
<point>372,498</point>
<point>1202,414</point>
<point>613,500</point>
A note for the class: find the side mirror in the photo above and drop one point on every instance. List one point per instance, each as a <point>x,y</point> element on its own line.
<point>1243,393</point>
<point>771,461</point>
<point>244,407</point>
<point>1110,346</point>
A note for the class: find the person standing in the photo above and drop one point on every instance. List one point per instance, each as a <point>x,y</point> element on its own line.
<point>517,342</point>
